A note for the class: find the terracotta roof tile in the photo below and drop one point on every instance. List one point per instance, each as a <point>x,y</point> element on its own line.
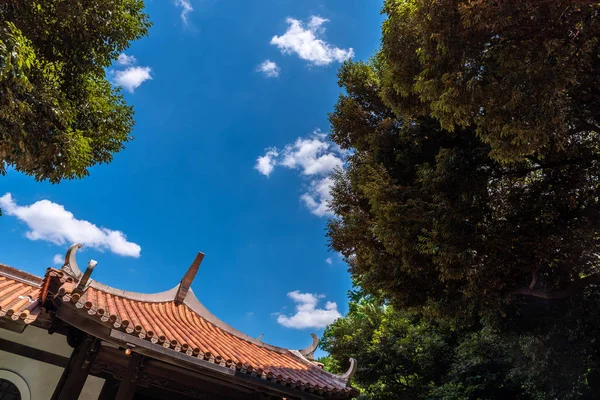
<point>19,295</point>
<point>183,329</point>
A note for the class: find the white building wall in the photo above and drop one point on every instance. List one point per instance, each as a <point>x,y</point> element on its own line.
<point>39,339</point>
<point>39,376</point>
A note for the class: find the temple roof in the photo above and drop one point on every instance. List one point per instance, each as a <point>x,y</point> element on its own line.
<point>19,295</point>
<point>176,320</point>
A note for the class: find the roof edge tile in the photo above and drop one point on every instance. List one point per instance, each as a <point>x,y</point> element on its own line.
<point>19,275</point>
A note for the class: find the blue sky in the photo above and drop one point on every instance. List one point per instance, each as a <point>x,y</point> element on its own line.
<point>230,158</point>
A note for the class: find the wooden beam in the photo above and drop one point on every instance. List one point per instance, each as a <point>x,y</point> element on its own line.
<point>63,377</point>
<point>205,369</point>
<point>109,389</point>
<point>129,382</point>
<point>13,326</point>
<point>167,355</point>
<point>161,353</point>
<point>84,323</point>
<point>172,377</point>
<point>33,353</point>
<point>73,378</point>
<point>80,371</point>
<point>156,392</point>
<point>273,388</point>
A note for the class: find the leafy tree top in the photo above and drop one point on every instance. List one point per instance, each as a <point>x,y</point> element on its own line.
<point>59,115</point>
<point>428,218</point>
<point>525,73</point>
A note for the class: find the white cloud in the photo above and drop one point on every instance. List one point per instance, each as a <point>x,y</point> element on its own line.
<point>307,314</point>
<point>269,69</point>
<point>186,8</point>
<point>313,155</point>
<point>318,197</point>
<point>132,77</point>
<point>51,222</point>
<point>329,260</point>
<point>124,59</point>
<point>305,42</point>
<point>316,158</point>
<point>266,164</point>
<point>58,259</point>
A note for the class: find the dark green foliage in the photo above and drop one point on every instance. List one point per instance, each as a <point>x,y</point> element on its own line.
<point>528,356</point>
<point>58,113</point>
<point>469,209</point>
<point>525,73</point>
<point>430,220</point>
<point>329,364</point>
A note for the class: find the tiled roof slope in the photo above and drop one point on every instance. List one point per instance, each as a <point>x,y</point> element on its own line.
<point>19,295</point>
<point>189,328</point>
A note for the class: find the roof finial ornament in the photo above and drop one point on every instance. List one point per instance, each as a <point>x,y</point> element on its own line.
<point>346,376</point>
<point>259,338</point>
<point>309,352</point>
<point>187,279</point>
<point>86,276</point>
<point>70,266</point>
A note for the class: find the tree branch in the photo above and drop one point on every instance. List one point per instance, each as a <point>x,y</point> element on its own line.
<point>533,278</point>
<point>572,289</point>
<point>549,165</point>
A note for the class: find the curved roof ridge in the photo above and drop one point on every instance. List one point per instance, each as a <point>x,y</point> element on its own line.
<point>341,377</point>
<point>71,268</point>
<point>190,300</point>
<point>20,275</point>
<point>160,297</point>
<point>195,305</point>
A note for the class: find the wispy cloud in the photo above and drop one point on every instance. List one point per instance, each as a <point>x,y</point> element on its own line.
<point>305,42</point>
<point>52,223</point>
<point>269,69</point>
<point>307,314</point>
<point>316,158</point>
<point>313,155</point>
<point>124,59</point>
<point>127,75</point>
<point>318,196</point>
<point>329,260</point>
<point>58,259</point>
<point>132,77</point>
<point>186,8</point>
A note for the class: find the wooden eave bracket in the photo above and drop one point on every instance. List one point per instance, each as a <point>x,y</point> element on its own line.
<point>162,353</point>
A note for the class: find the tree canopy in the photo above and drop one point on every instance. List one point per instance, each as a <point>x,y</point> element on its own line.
<point>403,355</point>
<point>524,73</point>
<point>432,219</point>
<point>468,209</point>
<point>59,115</point>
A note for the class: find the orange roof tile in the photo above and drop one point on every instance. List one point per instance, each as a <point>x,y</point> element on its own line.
<point>19,295</point>
<point>189,328</point>
<point>183,329</point>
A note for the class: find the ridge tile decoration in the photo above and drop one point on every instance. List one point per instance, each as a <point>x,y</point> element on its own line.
<point>187,327</point>
<point>19,295</point>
